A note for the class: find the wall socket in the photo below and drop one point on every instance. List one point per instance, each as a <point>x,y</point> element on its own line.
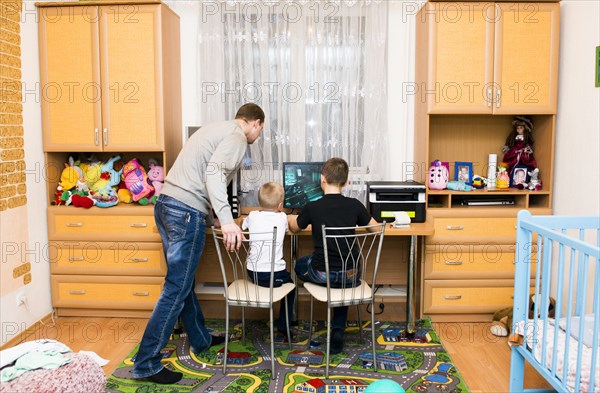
<point>21,298</point>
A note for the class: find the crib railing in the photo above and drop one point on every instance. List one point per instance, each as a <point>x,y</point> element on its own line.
<point>567,252</point>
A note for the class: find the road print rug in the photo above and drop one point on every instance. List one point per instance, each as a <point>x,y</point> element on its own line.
<point>416,361</point>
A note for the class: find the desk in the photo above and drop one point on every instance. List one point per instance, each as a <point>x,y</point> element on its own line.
<point>414,231</point>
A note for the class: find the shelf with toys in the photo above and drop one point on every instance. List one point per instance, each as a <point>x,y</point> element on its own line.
<point>467,141</point>
<point>103,180</point>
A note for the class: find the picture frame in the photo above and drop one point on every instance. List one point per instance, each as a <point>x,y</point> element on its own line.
<point>463,171</point>
<point>519,175</point>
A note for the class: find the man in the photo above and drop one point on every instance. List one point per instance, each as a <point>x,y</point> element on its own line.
<point>196,183</point>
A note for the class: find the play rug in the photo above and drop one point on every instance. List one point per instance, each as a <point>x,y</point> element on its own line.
<point>419,362</point>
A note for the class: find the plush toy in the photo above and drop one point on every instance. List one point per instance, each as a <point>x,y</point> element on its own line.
<point>156,175</point>
<point>438,176</point>
<point>136,180</point>
<point>535,184</point>
<point>459,186</point>
<point>503,319</point>
<point>477,182</point>
<point>70,175</point>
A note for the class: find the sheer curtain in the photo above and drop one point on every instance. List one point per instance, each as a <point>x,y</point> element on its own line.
<point>317,68</point>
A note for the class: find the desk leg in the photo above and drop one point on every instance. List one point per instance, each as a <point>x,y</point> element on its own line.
<point>294,257</point>
<point>410,298</point>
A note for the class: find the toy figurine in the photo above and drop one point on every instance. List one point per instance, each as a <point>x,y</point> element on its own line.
<point>518,149</point>
<point>438,176</point>
<point>502,178</point>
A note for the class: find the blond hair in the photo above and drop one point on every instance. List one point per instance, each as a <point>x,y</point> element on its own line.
<point>270,195</point>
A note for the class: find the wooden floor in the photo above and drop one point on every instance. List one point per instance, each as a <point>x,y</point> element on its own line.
<point>483,359</point>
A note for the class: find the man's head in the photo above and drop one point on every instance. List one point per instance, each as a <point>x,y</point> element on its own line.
<point>252,120</point>
<point>270,196</point>
<point>335,172</point>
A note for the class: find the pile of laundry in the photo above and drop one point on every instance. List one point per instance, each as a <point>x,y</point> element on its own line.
<point>50,366</point>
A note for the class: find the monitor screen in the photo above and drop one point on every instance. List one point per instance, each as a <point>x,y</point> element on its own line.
<point>301,183</point>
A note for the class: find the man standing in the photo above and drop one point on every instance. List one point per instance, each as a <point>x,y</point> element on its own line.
<point>196,183</point>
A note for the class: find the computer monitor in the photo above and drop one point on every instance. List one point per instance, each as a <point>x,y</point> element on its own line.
<point>301,183</point>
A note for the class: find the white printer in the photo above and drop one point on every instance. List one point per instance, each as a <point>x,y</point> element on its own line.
<point>386,197</point>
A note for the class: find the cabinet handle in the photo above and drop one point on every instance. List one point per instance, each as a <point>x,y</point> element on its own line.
<point>455,227</point>
<point>136,260</point>
<point>498,95</point>
<point>454,263</point>
<point>74,224</point>
<point>76,259</point>
<point>81,292</point>
<point>453,297</point>
<point>141,293</point>
<point>96,136</point>
<point>489,97</point>
<point>139,225</point>
<point>105,136</point>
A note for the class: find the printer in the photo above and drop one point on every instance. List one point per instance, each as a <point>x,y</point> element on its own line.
<point>386,197</point>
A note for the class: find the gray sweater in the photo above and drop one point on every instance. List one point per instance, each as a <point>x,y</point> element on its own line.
<point>205,166</point>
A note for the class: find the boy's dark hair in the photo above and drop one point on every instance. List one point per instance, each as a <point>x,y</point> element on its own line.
<point>250,112</point>
<point>335,170</point>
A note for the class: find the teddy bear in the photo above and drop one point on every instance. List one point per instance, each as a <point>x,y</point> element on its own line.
<point>156,175</point>
<point>503,319</point>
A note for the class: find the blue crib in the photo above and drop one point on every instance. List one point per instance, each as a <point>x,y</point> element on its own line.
<point>563,349</point>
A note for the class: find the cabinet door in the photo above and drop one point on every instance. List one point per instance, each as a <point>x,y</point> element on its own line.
<point>70,78</point>
<point>526,58</point>
<point>461,40</point>
<point>130,45</point>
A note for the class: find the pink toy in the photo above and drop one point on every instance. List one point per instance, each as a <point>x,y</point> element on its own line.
<point>438,176</point>
<point>136,180</point>
<point>156,174</point>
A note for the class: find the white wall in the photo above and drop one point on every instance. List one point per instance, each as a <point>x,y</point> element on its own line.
<point>576,179</point>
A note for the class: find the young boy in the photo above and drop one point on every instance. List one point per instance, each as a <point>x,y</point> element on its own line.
<point>270,198</point>
<point>333,210</point>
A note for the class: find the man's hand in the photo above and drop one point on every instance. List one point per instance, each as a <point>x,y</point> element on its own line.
<point>232,236</point>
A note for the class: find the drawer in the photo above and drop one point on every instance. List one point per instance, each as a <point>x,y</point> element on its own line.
<point>459,230</point>
<point>467,296</point>
<point>107,258</point>
<point>444,261</point>
<point>136,223</point>
<point>129,293</point>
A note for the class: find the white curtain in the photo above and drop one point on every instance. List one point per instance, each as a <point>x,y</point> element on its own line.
<point>317,68</point>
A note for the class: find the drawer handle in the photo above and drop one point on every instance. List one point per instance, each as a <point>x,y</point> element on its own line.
<point>136,260</point>
<point>455,227</point>
<point>141,293</point>
<point>138,225</point>
<point>80,292</point>
<point>74,224</point>
<point>453,297</point>
<point>76,259</point>
<point>454,263</point>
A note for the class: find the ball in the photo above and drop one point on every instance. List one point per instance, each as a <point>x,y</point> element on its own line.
<point>384,386</point>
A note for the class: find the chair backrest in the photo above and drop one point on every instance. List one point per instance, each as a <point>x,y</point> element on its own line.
<point>234,266</point>
<point>354,252</point>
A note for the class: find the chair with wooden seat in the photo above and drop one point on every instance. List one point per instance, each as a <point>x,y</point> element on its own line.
<point>240,291</point>
<point>360,288</point>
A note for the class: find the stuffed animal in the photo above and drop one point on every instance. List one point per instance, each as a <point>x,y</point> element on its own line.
<point>535,184</point>
<point>156,174</point>
<point>503,319</point>
<point>136,180</point>
<point>459,186</point>
<point>438,176</point>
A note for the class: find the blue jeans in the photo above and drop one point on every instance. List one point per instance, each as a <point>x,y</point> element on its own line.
<point>281,277</point>
<point>183,233</point>
<point>307,273</point>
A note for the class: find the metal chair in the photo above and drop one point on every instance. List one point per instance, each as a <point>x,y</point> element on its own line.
<point>367,242</point>
<point>241,292</point>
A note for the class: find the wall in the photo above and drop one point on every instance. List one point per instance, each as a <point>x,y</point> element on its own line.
<point>576,179</point>
<point>23,227</point>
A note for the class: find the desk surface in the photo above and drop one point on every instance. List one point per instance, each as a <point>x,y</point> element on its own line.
<point>415,229</point>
